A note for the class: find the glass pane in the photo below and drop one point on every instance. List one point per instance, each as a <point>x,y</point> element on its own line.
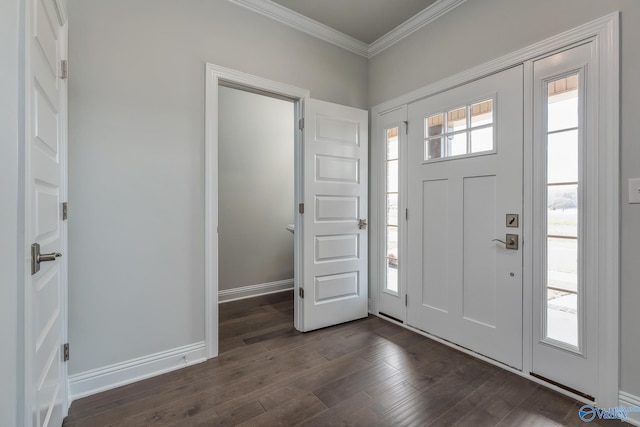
<point>562,108</point>
<point>392,274</point>
<point>434,148</point>
<point>457,144</point>
<point>434,125</point>
<point>562,157</point>
<point>562,317</point>
<point>392,209</point>
<point>482,140</point>
<point>562,210</point>
<point>392,143</point>
<point>392,176</point>
<point>482,113</point>
<point>562,282</point>
<point>562,264</point>
<point>392,243</point>
<point>457,119</point>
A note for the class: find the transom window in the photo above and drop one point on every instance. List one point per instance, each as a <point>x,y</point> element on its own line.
<point>463,130</point>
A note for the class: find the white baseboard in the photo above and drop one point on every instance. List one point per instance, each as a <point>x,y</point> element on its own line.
<point>629,400</point>
<point>109,377</point>
<point>251,291</point>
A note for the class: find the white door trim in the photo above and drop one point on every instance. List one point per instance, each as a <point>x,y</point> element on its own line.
<point>604,32</point>
<point>214,75</point>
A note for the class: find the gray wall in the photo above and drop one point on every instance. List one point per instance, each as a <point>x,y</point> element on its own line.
<point>479,31</point>
<point>136,158</point>
<point>256,135</point>
<point>9,133</point>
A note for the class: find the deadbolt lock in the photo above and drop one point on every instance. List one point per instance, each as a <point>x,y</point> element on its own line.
<point>512,221</point>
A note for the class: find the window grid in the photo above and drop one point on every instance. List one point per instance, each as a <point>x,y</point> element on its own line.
<point>443,128</point>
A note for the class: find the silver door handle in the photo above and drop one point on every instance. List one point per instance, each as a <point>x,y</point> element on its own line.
<point>48,257</point>
<point>37,257</point>
<point>510,243</point>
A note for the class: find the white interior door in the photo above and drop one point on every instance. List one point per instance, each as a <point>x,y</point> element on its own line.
<point>465,178</point>
<point>334,232</point>
<point>46,390</point>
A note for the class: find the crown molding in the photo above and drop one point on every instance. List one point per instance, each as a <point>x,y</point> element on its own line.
<point>428,15</point>
<point>306,25</point>
<point>302,23</point>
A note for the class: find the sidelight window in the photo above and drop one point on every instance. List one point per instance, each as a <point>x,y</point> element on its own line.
<point>563,210</point>
<point>391,220</point>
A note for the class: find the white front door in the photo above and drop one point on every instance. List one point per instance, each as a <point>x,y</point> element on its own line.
<point>465,194</point>
<point>45,294</point>
<point>334,231</point>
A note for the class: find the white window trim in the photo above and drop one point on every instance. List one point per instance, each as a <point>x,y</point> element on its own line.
<point>605,33</point>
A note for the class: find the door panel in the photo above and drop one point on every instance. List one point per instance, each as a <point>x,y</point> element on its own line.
<point>479,294</point>
<point>465,175</point>
<point>435,283</point>
<point>335,198</point>
<point>45,191</point>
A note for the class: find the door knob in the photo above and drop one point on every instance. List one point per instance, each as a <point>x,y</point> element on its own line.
<point>37,257</point>
<point>362,224</point>
<point>511,241</point>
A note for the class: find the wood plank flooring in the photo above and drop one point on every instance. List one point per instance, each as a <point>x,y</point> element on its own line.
<point>364,373</point>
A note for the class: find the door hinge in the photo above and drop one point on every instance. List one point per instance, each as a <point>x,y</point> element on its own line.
<point>65,352</point>
<point>406,214</point>
<point>64,69</point>
<point>406,300</point>
<point>301,208</point>
<point>65,211</point>
<point>301,292</point>
<point>300,123</point>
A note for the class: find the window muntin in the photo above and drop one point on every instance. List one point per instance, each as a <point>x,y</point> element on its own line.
<point>460,131</point>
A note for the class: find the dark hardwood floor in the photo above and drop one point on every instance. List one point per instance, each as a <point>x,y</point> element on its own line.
<point>364,373</point>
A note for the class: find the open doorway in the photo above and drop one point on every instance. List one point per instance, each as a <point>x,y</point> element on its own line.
<point>330,178</point>
<point>256,193</point>
<point>256,159</point>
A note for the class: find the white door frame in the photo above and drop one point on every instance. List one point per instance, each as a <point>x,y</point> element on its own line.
<point>214,75</point>
<point>604,32</point>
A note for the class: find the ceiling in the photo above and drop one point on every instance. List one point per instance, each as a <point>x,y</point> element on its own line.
<point>364,20</point>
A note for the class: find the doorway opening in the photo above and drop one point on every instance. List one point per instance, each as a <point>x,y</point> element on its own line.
<point>256,133</point>
<point>330,178</point>
<point>220,79</point>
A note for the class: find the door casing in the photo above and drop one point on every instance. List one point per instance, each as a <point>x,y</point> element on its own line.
<point>216,75</point>
<point>604,32</point>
